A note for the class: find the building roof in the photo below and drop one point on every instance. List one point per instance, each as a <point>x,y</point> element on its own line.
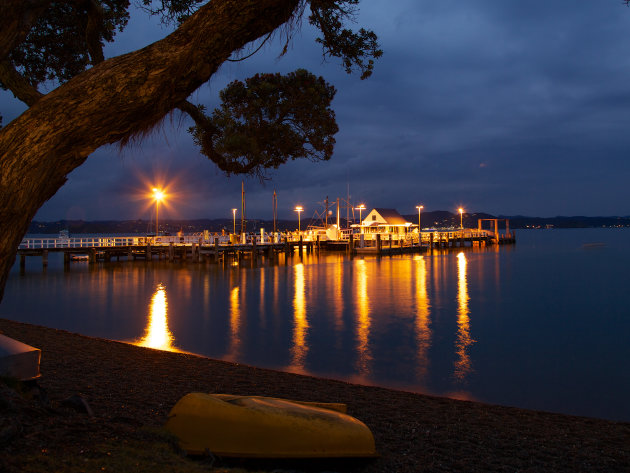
<point>391,216</point>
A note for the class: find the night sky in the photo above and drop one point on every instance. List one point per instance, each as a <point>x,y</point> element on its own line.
<point>500,107</point>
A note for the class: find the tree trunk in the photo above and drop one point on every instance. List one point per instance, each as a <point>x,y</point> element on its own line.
<point>116,100</point>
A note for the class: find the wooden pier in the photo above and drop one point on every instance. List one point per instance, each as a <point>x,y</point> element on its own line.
<point>233,248</point>
<point>170,249</point>
<point>383,244</point>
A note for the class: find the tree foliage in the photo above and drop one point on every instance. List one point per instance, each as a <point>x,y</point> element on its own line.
<point>68,38</point>
<point>267,120</point>
<point>355,49</point>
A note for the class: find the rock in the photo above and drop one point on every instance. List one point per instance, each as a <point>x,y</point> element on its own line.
<point>77,403</point>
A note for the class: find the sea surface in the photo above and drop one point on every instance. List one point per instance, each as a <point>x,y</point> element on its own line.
<point>543,324</point>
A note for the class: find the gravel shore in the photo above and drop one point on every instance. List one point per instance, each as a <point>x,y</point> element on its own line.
<point>129,387</point>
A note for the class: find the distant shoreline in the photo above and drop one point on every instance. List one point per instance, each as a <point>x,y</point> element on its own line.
<point>429,219</point>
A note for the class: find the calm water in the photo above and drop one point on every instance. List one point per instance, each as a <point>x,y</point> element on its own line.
<point>544,324</point>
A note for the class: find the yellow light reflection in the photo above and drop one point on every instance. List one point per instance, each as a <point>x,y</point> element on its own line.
<point>423,317</point>
<point>338,304</point>
<point>261,309</point>
<point>300,321</point>
<point>235,323</point>
<point>363,319</point>
<point>462,364</point>
<point>157,335</point>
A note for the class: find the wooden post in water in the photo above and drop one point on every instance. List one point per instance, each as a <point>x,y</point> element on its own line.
<point>22,261</point>
<point>45,258</point>
<point>66,258</point>
<point>496,230</point>
<point>216,249</point>
<point>92,256</point>
<point>379,245</point>
<point>351,244</point>
<point>171,252</point>
<point>129,253</point>
<point>300,248</point>
<point>318,240</point>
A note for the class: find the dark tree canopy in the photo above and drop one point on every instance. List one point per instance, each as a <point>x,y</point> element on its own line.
<point>268,119</point>
<point>94,101</point>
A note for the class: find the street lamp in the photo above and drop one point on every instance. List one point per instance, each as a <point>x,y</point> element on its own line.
<point>461,218</point>
<point>234,219</point>
<point>299,209</point>
<point>360,208</point>
<point>419,207</point>
<point>158,195</point>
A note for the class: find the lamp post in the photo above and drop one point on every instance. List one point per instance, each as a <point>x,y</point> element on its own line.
<point>234,220</point>
<point>299,209</point>
<point>419,207</point>
<point>360,208</point>
<point>158,194</point>
<point>461,218</point>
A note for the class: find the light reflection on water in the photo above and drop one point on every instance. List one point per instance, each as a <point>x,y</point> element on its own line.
<point>363,322</point>
<point>540,325</point>
<point>299,350</point>
<point>462,365</point>
<point>423,318</point>
<point>157,334</point>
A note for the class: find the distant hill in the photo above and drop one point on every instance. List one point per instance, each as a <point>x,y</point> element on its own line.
<point>437,219</point>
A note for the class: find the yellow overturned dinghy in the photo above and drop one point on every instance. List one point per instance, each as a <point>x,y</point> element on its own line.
<point>267,427</point>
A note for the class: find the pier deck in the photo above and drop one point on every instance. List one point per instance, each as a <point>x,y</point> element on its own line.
<point>197,249</point>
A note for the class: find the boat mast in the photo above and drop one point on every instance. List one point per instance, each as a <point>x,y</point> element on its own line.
<point>348,207</point>
<point>242,207</point>
<point>275,210</point>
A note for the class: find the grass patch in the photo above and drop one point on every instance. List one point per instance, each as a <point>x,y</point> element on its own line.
<point>149,451</point>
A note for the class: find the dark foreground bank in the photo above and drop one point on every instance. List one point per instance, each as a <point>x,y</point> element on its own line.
<point>131,388</point>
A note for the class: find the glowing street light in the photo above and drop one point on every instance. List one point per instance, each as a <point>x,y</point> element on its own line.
<point>419,207</point>
<point>234,219</point>
<point>158,195</point>
<point>299,209</point>
<point>461,218</point>
<point>360,208</point>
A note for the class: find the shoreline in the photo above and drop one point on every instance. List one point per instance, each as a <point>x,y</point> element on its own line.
<point>130,387</point>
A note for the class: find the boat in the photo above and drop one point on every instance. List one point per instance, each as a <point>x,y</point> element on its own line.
<point>79,257</point>
<point>267,427</point>
<point>18,360</point>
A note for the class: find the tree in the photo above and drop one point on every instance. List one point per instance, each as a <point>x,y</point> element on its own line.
<point>101,101</point>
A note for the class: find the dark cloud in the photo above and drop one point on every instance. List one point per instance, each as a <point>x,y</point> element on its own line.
<point>503,107</point>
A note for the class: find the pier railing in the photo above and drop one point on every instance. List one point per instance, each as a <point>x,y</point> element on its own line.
<point>369,239</point>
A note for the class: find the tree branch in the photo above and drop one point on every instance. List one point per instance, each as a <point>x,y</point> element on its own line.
<point>93,31</point>
<point>18,84</point>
